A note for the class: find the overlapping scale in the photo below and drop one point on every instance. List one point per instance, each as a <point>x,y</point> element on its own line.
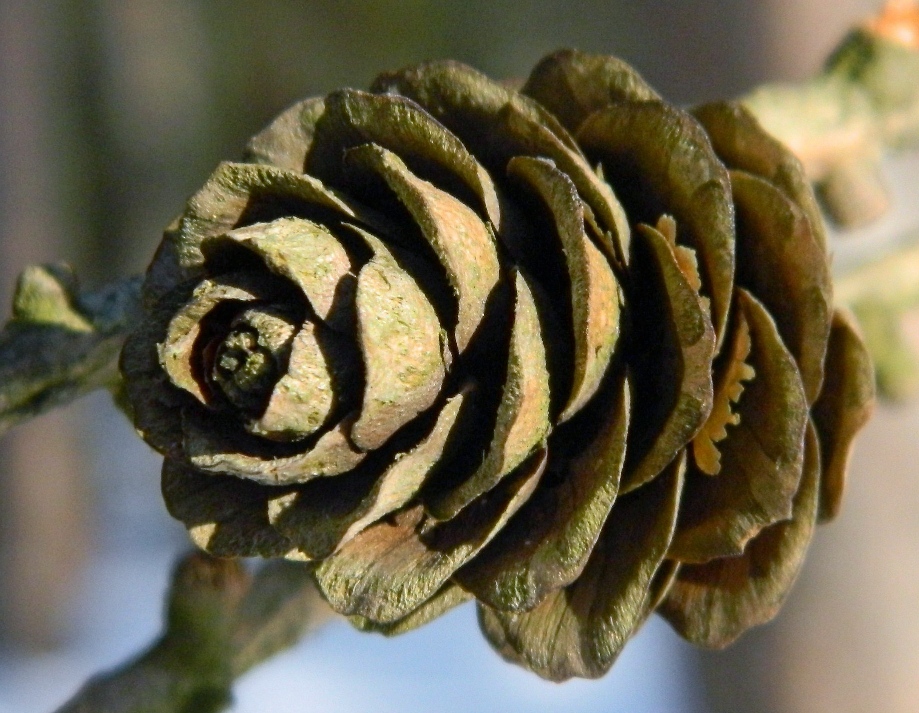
<point>580,630</point>
<point>446,598</point>
<point>224,516</point>
<point>594,288</point>
<point>523,413</point>
<point>176,352</point>
<point>780,261</point>
<point>307,254</point>
<point>327,513</point>
<point>461,241</point>
<point>673,335</point>
<point>285,142</point>
<point>529,137</point>
<point>711,604</point>
<point>394,566</point>
<point>305,396</point>
<point>401,345</point>
<point>449,340</point>
<point>352,118</point>
<point>573,85</point>
<point>659,160</point>
<point>546,547</point>
<point>469,104</point>
<point>498,124</point>
<point>742,143</point>
<point>234,191</point>
<point>212,445</point>
<point>844,406</point>
<point>761,459</point>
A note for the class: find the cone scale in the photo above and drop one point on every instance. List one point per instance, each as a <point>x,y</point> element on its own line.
<point>569,351</point>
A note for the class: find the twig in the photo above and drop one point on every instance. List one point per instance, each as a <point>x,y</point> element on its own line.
<point>61,343</point>
<point>220,622</point>
<point>841,122</point>
<point>884,294</point>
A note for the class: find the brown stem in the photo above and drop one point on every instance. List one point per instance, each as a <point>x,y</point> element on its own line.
<point>60,343</point>
<point>863,104</point>
<point>220,622</point>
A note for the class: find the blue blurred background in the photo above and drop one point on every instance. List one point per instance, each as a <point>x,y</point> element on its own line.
<point>113,111</point>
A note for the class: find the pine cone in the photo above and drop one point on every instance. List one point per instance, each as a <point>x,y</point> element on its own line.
<point>567,350</point>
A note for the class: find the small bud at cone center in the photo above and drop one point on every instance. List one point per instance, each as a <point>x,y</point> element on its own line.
<point>244,370</point>
<point>249,360</point>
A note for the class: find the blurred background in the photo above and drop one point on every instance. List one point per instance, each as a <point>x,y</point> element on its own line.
<point>113,111</point>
